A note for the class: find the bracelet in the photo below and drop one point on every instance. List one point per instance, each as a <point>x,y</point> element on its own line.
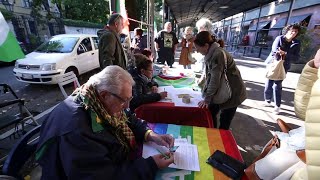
<point>146,134</point>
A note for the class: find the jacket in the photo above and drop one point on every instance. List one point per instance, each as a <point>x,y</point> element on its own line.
<point>110,49</point>
<point>141,91</point>
<point>73,146</point>
<point>184,55</point>
<point>293,53</point>
<point>215,63</point>
<point>302,93</point>
<point>312,125</point>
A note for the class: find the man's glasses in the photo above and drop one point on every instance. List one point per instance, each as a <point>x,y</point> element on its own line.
<point>123,101</point>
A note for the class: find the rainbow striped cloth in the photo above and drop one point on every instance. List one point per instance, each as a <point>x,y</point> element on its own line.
<point>208,140</point>
<point>176,82</point>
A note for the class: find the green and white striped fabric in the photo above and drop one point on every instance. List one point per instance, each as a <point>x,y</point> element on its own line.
<point>9,47</point>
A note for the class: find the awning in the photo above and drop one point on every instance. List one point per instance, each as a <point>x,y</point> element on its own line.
<point>261,26</point>
<point>294,19</point>
<point>246,23</point>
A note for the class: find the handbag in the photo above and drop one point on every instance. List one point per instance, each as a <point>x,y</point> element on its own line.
<point>224,92</point>
<point>275,70</point>
<point>190,58</point>
<point>226,164</point>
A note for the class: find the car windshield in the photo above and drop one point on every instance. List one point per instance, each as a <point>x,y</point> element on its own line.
<point>58,45</point>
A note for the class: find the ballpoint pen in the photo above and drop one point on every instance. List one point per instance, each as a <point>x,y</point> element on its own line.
<point>165,156</point>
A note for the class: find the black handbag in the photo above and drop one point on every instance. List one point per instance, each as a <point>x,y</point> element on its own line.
<point>227,164</point>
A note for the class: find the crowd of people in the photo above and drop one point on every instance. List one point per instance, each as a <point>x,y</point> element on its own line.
<point>97,126</point>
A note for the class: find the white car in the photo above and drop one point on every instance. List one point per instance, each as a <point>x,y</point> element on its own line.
<point>61,54</point>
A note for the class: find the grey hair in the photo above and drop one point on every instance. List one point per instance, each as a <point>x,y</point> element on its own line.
<point>166,24</point>
<point>112,78</point>
<point>114,18</point>
<point>206,24</point>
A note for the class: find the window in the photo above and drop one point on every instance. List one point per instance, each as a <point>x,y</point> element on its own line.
<point>27,3</point>
<point>95,42</point>
<point>86,44</point>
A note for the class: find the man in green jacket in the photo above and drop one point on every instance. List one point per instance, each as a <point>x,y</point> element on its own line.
<point>110,49</point>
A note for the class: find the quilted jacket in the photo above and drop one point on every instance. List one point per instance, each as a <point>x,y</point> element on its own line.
<point>302,94</point>
<point>312,124</point>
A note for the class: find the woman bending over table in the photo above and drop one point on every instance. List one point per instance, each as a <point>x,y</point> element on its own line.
<point>214,59</point>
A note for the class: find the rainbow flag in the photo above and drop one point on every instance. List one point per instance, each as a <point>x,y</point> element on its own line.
<point>175,82</point>
<point>9,47</point>
<point>208,140</point>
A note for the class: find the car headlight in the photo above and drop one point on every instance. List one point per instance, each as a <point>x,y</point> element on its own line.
<point>16,64</point>
<point>48,67</point>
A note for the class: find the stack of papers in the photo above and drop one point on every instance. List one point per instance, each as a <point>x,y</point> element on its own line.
<point>186,156</point>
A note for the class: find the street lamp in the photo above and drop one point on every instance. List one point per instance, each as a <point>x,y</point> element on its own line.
<point>8,4</point>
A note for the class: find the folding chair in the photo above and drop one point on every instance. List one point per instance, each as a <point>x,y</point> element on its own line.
<point>65,79</point>
<point>21,159</point>
<point>24,113</point>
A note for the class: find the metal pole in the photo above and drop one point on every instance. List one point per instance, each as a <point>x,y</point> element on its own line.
<point>289,12</point>
<point>241,32</point>
<point>151,25</point>
<point>148,22</point>
<point>112,6</point>
<point>256,32</point>
<point>163,13</point>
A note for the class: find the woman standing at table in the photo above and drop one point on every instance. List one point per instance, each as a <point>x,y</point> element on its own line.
<point>214,59</point>
<point>145,90</point>
<point>187,46</point>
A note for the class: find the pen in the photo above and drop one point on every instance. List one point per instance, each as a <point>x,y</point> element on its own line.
<point>164,89</point>
<point>165,156</point>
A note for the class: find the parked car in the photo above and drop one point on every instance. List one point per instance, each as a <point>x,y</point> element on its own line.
<point>61,54</point>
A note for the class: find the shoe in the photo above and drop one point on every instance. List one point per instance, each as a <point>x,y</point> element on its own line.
<point>276,110</point>
<point>267,103</point>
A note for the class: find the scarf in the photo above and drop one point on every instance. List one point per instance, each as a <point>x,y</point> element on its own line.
<point>118,124</point>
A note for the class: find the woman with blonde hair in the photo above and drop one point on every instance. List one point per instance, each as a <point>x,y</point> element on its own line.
<point>187,48</point>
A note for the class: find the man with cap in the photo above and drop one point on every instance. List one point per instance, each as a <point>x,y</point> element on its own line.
<point>110,49</point>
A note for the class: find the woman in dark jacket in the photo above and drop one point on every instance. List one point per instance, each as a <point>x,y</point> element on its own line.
<point>288,47</point>
<point>145,90</point>
<point>214,67</point>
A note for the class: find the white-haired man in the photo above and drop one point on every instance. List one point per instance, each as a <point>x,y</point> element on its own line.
<point>90,136</point>
<point>110,48</point>
<point>166,44</point>
<point>205,24</point>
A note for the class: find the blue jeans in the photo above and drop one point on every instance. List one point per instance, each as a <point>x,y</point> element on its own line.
<point>273,88</point>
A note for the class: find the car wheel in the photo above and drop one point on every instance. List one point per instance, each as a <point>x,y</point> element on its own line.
<point>75,71</point>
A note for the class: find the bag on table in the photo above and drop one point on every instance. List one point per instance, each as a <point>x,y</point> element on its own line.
<point>275,70</point>
<point>224,92</point>
<point>226,164</point>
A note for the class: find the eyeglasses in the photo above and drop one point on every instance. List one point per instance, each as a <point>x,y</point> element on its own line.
<point>123,101</point>
<point>150,70</point>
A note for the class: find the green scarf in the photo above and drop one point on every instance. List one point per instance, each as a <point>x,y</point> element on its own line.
<point>90,101</point>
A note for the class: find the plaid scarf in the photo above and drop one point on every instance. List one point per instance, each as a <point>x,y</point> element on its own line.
<point>89,100</point>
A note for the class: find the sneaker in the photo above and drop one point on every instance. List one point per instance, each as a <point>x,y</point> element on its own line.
<point>276,110</point>
<point>267,103</point>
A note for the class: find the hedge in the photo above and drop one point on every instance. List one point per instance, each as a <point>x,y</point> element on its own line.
<point>78,23</point>
<point>6,14</point>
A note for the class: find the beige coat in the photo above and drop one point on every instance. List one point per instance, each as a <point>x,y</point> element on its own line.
<point>312,136</point>
<point>302,94</point>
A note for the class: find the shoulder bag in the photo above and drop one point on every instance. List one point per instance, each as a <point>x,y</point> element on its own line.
<point>275,70</point>
<point>224,92</point>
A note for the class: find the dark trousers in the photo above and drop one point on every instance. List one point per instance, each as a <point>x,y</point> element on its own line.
<point>226,116</point>
<point>273,88</point>
<point>163,57</point>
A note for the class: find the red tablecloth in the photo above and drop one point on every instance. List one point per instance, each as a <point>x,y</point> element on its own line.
<point>162,112</point>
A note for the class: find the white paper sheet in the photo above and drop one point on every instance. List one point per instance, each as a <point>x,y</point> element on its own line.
<point>186,156</point>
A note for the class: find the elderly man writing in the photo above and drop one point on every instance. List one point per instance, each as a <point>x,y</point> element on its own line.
<point>90,136</point>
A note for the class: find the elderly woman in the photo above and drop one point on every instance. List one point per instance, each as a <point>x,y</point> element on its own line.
<point>187,48</point>
<point>90,136</point>
<point>145,90</point>
<point>287,47</point>
<point>215,64</point>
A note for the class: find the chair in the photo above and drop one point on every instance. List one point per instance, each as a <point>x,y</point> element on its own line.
<point>24,113</point>
<point>65,79</point>
<point>21,156</point>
